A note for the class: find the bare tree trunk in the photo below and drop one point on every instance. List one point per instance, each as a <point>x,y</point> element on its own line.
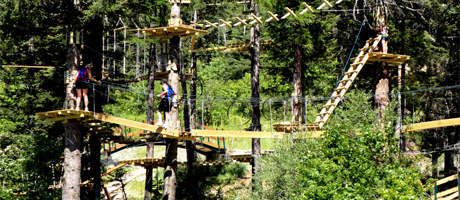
<point>150,120</point>
<point>72,153</point>
<point>297,83</point>
<point>190,144</point>
<point>96,164</point>
<point>255,97</point>
<point>170,181</point>
<point>382,88</point>
<point>72,161</point>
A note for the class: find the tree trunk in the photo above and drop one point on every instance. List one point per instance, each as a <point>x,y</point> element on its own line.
<point>382,88</point>
<point>255,97</point>
<point>72,161</point>
<point>434,163</point>
<point>190,144</point>
<point>170,182</point>
<point>96,164</point>
<point>72,153</point>
<point>150,119</point>
<point>297,83</point>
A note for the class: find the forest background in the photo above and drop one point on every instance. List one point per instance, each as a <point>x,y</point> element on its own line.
<point>37,33</point>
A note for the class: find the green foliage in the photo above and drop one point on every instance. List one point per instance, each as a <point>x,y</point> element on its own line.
<point>209,178</point>
<point>356,159</point>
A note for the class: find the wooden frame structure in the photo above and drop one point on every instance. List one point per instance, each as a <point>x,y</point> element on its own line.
<point>158,77</point>
<point>92,117</point>
<point>166,33</point>
<point>237,46</point>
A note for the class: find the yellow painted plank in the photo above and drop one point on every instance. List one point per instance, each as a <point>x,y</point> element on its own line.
<point>243,134</point>
<point>447,179</point>
<point>431,124</point>
<point>450,197</point>
<point>447,192</point>
<point>26,66</point>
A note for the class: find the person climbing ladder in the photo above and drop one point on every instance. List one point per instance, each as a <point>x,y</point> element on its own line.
<point>165,103</point>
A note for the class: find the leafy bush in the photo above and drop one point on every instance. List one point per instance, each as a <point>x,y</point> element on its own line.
<point>357,158</point>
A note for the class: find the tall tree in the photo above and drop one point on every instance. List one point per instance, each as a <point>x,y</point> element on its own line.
<point>255,96</point>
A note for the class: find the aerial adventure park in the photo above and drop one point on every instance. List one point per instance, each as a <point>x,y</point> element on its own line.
<point>127,83</point>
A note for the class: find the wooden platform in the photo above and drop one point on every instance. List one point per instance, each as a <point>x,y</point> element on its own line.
<point>158,77</point>
<point>180,30</point>
<point>88,116</point>
<point>431,124</point>
<point>390,59</point>
<point>155,163</point>
<point>238,46</point>
<point>287,127</point>
<point>84,116</point>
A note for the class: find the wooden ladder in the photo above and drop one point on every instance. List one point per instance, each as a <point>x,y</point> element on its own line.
<point>346,81</point>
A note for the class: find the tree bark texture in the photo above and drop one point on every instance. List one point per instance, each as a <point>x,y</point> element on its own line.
<point>150,119</point>
<point>170,181</point>
<point>72,161</point>
<point>96,164</point>
<point>190,144</point>
<point>255,96</point>
<point>297,84</point>
<point>382,88</point>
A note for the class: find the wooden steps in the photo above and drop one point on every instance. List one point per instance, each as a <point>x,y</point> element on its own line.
<point>346,81</point>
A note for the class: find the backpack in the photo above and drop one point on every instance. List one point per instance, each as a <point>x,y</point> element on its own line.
<point>170,91</point>
<point>82,74</point>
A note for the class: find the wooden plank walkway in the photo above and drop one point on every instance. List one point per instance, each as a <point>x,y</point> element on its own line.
<point>155,162</point>
<point>88,116</point>
<point>431,124</point>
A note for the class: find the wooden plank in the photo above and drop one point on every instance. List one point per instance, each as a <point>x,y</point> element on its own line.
<point>64,118</point>
<point>290,11</point>
<point>450,197</point>
<point>258,19</point>
<point>193,43</point>
<point>108,172</point>
<point>124,27</point>
<point>307,7</point>
<point>431,124</point>
<point>447,179</point>
<point>327,3</point>
<point>242,21</point>
<point>26,66</point>
<point>273,16</point>
<point>226,23</point>
<point>447,192</point>
<point>242,134</point>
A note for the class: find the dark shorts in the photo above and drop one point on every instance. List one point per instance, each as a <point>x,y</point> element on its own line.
<point>385,38</point>
<point>165,104</point>
<point>81,85</point>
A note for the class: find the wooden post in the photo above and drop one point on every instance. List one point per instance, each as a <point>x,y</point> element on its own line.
<point>255,97</point>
